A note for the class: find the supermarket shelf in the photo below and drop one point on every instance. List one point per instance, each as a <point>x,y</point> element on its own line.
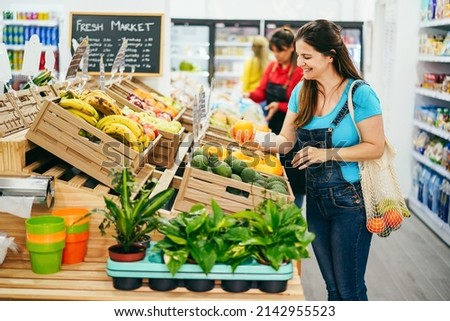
<point>431,219</point>
<point>442,23</point>
<point>192,73</point>
<point>434,58</point>
<point>227,74</point>
<point>40,23</point>
<point>22,47</point>
<point>224,57</point>
<point>433,94</point>
<point>433,130</point>
<point>437,168</point>
<point>232,44</point>
<point>191,43</point>
<point>189,57</point>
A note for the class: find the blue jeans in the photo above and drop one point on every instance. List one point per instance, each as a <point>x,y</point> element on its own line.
<point>342,240</point>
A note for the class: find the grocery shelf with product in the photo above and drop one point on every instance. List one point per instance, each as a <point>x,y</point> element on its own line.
<point>17,28</point>
<point>430,194</point>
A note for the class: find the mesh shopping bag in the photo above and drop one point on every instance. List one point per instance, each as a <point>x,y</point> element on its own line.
<point>383,199</point>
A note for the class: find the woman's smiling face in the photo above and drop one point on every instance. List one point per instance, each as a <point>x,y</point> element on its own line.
<point>313,63</point>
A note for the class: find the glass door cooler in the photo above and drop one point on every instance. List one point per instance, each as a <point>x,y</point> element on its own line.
<point>232,47</point>
<point>190,49</point>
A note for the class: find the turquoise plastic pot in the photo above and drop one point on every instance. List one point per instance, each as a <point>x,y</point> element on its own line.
<point>45,224</point>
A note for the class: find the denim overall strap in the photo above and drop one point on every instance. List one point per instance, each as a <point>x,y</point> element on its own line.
<point>344,110</point>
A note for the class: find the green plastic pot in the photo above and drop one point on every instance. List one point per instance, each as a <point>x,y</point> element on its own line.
<point>47,224</point>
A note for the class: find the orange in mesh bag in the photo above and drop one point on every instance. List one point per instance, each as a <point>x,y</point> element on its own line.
<point>384,202</point>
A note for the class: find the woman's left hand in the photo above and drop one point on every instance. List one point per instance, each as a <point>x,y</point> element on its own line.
<point>310,155</point>
<point>271,108</point>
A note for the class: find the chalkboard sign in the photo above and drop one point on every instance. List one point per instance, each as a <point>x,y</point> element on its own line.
<point>106,32</point>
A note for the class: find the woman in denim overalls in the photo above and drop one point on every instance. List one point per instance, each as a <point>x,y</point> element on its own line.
<point>330,149</point>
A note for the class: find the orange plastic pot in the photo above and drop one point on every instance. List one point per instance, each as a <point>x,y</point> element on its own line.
<point>76,248</point>
<point>72,216</point>
<point>46,238</point>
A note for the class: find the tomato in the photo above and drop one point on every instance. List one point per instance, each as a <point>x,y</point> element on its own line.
<point>376,225</point>
<point>393,218</point>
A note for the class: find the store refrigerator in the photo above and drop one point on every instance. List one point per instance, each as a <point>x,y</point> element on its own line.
<point>191,51</point>
<point>352,32</point>
<point>212,51</point>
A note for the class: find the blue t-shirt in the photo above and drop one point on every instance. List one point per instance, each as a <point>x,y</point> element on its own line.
<point>366,104</point>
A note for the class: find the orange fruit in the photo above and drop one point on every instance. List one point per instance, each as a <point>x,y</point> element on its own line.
<point>243,125</point>
<point>393,218</point>
<point>376,225</point>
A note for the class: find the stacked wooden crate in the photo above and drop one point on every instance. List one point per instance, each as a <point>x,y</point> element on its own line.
<point>164,152</point>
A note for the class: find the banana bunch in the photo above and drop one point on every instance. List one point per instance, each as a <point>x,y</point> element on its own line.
<point>101,101</point>
<point>81,109</point>
<point>126,130</point>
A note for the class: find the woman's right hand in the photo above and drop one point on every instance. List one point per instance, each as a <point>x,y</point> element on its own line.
<point>242,136</point>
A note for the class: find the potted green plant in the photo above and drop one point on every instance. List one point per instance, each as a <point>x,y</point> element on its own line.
<point>132,218</point>
<point>202,238</point>
<point>278,235</point>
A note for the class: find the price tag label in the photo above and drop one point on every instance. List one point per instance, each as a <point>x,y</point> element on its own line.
<point>199,118</point>
<point>102,73</point>
<point>76,59</point>
<point>119,61</point>
<point>49,59</point>
<point>5,65</point>
<point>31,56</point>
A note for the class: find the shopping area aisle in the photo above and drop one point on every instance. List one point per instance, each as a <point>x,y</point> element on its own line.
<point>412,264</point>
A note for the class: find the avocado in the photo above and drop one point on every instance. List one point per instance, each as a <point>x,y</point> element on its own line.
<point>248,175</point>
<point>222,169</point>
<point>280,189</point>
<point>237,166</point>
<point>229,159</point>
<point>200,162</point>
<point>276,179</point>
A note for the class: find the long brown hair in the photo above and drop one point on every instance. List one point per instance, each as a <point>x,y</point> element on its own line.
<point>261,52</point>
<point>325,37</point>
<point>284,38</point>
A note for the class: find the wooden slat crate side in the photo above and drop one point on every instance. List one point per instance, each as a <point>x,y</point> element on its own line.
<point>56,130</point>
<point>11,119</point>
<point>200,186</point>
<point>13,149</point>
<point>43,93</point>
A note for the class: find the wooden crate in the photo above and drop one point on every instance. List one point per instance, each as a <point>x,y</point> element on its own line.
<point>164,152</point>
<point>27,103</point>
<point>11,119</point>
<point>57,131</point>
<point>43,93</point>
<point>187,123</point>
<point>13,152</point>
<point>200,186</point>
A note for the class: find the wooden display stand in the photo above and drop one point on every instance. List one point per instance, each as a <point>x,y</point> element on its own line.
<point>88,280</point>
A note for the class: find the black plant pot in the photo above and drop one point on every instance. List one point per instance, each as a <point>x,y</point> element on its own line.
<point>163,284</point>
<point>272,286</point>
<point>236,285</point>
<point>199,285</point>
<point>127,283</point>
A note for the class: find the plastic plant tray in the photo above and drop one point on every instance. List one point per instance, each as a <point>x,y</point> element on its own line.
<point>153,267</point>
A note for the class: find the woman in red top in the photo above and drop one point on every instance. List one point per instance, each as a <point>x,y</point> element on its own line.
<point>275,88</point>
<point>279,79</point>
